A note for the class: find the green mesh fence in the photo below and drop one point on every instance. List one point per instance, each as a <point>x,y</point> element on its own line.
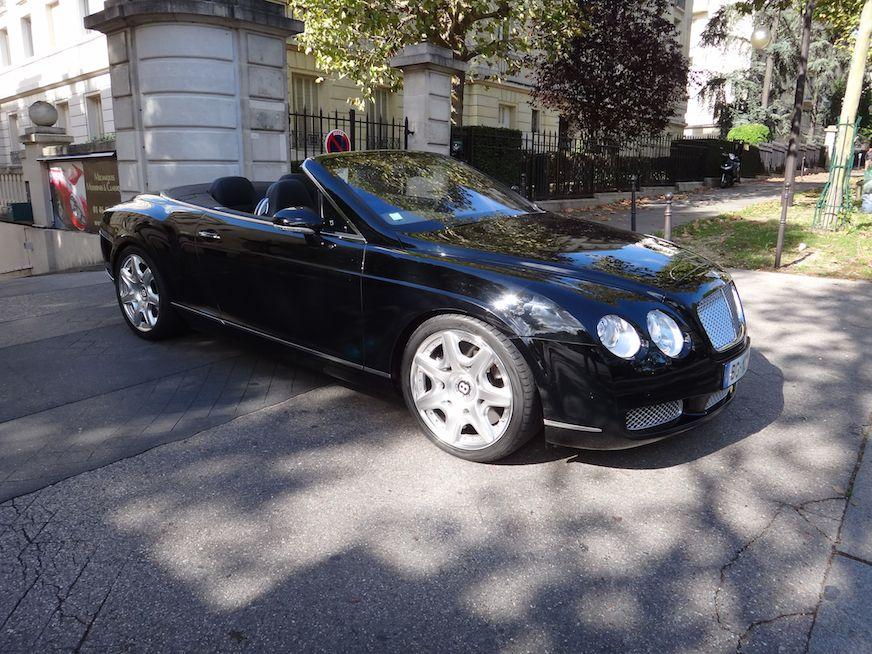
<point>833,209</point>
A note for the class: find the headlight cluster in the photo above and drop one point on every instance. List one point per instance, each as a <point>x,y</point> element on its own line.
<point>621,338</point>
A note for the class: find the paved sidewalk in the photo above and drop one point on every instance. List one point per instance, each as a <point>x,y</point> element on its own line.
<point>704,203</point>
<point>326,522</point>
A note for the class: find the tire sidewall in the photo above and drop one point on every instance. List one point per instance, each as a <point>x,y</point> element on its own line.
<point>524,401</point>
<point>166,323</point>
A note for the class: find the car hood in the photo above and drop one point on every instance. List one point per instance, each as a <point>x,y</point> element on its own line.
<point>548,246</point>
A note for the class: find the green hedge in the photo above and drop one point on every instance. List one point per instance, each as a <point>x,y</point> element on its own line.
<point>495,151</point>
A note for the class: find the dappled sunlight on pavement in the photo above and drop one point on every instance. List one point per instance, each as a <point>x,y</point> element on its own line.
<point>328,522</point>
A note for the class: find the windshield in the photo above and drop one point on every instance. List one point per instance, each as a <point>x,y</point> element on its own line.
<point>421,191</point>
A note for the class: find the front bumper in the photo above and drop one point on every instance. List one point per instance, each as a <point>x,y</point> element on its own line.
<point>623,439</point>
<point>586,405</point>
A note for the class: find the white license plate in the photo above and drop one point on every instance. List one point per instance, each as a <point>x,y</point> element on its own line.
<point>736,369</point>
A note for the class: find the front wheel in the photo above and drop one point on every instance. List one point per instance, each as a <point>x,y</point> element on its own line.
<point>143,296</point>
<point>470,389</point>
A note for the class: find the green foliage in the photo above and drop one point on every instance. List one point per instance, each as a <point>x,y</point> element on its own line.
<point>355,39</point>
<point>753,133</point>
<point>747,240</point>
<point>620,74</point>
<point>495,151</point>
<point>738,95</point>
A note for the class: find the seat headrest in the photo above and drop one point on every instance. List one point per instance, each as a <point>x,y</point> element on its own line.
<point>235,193</point>
<point>287,193</point>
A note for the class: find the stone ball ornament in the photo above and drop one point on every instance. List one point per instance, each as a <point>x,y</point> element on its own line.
<point>43,113</point>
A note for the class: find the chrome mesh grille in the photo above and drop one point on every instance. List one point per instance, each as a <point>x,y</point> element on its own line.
<point>719,318</point>
<point>714,398</point>
<point>651,416</point>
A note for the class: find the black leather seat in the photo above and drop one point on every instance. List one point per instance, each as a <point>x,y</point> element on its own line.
<point>235,193</point>
<point>304,178</point>
<point>287,193</point>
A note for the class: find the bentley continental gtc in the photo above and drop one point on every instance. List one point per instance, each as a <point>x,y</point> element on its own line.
<point>497,321</point>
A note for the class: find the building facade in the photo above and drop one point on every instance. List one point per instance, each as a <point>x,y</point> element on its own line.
<point>47,54</point>
<point>708,61</point>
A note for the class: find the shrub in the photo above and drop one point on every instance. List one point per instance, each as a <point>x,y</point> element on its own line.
<point>752,133</point>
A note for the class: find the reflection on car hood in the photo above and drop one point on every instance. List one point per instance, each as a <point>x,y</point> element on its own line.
<point>546,244</point>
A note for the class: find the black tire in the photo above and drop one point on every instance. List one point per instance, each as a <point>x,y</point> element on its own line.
<point>168,321</point>
<point>526,418</point>
<point>724,182</point>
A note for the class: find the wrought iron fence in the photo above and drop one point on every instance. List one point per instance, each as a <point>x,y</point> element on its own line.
<point>308,131</point>
<point>546,166</point>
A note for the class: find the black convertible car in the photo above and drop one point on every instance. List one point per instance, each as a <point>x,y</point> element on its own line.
<point>496,320</point>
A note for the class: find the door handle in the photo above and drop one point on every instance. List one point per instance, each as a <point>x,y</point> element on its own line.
<point>210,234</point>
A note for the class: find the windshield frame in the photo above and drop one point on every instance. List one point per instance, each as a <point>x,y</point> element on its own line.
<point>526,207</point>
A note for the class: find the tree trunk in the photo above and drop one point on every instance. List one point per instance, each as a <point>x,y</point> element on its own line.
<point>457,92</point>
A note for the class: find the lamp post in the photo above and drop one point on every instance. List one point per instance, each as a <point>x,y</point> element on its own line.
<point>795,126</point>
<point>760,39</point>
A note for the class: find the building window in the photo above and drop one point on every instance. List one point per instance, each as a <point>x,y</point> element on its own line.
<point>379,106</point>
<point>53,27</point>
<point>305,94</point>
<point>13,132</point>
<point>27,36</point>
<point>306,134</point>
<point>63,114</point>
<point>94,111</point>
<point>534,120</point>
<point>5,59</point>
<point>506,116</point>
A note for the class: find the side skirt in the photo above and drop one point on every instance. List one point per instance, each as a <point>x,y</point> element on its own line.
<point>281,341</point>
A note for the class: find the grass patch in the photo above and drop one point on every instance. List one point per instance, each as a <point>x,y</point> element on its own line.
<point>746,239</point>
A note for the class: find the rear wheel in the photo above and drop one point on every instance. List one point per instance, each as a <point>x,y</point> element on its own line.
<point>143,296</point>
<point>469,388</point>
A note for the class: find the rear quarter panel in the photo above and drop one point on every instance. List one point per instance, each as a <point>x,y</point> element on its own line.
<point>166,231</point>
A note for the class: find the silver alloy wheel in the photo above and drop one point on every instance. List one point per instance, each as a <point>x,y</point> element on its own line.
<point>137,291</point>
<point>461,389</point>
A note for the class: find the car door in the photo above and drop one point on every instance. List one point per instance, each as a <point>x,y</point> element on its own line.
<point>300,287</point>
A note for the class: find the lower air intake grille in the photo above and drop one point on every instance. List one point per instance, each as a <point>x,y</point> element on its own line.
<point>651,416</point>
<point>714,398</point>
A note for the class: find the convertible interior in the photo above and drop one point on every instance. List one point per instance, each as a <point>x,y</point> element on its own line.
<point>240,195</point>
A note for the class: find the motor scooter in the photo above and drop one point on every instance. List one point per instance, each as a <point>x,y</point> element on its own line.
<point>730,166</point>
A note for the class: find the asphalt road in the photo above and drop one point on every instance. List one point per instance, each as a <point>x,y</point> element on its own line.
<point>216,497</point>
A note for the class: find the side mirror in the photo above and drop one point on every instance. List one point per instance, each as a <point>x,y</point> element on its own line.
<point>298,217</point>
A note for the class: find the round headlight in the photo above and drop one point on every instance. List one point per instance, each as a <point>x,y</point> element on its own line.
<point>665,333</point>
<point>619,336</point>
<point>740,310</point>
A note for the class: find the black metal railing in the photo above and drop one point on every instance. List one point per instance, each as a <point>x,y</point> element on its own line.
<point>366,132</point>
<point>546,165</point>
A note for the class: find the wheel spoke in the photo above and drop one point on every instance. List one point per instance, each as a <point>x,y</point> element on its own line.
<point>451,351</point>
<point>127,275</point>
<point>135,263</point>
<point>127,296</point>
<point>147,277</point>
<point>454,424</point>
<point>493,396</point>
<point>481,362</point>
<point>482,426</point>
<point>429,367</point>
<point>432,399</point>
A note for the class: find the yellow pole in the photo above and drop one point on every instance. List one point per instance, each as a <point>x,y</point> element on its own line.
<point>842,148</point>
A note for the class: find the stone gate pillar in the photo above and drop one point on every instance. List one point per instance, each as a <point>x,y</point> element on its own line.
<point>427,71</point>
<point>199,89</point>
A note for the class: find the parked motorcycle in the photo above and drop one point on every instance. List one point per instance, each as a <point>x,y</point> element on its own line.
<point>730,166</point>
